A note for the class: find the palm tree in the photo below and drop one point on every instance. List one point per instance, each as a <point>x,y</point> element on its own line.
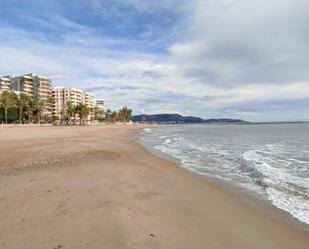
<point>31,108</point>
<point>62,115</point>
<point>98,114</point>
<point>91,112</point>
<point>108,114</point>
<point>70,111</point>
<point>7,101</point>
<point>114,116</point>
<point>83,112</point>
<point>40,107</point>
<point>23,102</point>
<point>50,102</point>
<point>125,114</point>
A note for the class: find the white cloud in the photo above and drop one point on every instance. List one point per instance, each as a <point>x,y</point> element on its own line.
<point>229,56</point>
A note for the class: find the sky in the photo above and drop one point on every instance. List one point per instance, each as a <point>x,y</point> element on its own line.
<point>208,58</point>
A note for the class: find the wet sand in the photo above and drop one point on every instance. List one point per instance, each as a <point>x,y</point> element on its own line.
<point>97,187</point>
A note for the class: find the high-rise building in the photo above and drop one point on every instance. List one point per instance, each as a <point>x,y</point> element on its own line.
<point>88,100</point>
<point>62,95</point>
<point>5,83</point>
<point>34,85</point>
<point>99,104</point>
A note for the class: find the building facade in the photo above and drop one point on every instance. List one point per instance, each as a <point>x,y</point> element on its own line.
<point>5,83</point>
<point>63,95</point>
<point>99,104</point>
<point>35,86</point>
<point>88,100</point>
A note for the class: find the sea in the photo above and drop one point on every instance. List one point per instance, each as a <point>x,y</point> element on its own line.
<point>267,161</point>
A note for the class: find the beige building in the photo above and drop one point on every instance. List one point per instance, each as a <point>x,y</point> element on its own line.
<point>5,83</point>
<point>62,95</point>
<point>88,100</point>
<point>99,104</point>
<point>34,85</point>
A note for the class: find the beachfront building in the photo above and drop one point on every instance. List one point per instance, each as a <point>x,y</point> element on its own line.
<point>88,100</point>
<point>23,84</point>
<point>34,85</point>
<point>5,83</point>
<point>63,95</point>
<point>99,104</point>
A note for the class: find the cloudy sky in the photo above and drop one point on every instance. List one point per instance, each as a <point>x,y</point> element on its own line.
<point>210,58</point>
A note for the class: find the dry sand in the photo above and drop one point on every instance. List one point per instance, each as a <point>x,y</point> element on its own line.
<point>96,187</point>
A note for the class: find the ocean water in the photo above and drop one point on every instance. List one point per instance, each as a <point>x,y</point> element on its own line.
<point>269,160</point>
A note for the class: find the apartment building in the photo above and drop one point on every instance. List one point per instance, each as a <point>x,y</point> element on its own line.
<point>62,95</point>
<point>5,83</point>
<point>58,107</point>
<point>99,104</point>
<point>42,87</point>
<point>34,85</point>
<point>88,100</point>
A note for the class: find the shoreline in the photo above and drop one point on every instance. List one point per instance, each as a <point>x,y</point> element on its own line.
<point>84,187</point>
<point>254,200</point>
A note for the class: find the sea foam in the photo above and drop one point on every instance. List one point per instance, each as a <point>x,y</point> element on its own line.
<point>261,159</point>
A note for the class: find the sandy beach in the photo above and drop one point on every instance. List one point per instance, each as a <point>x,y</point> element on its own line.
<point>96,187</point>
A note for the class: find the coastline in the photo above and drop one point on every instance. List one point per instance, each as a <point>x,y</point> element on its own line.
<point>84,187</point>
<point>249,198</point>
<point>249,195</point>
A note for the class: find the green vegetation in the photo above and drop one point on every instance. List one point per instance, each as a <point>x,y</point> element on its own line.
<point>7,101</point>
<point>99,115</point>
<point>114,116</point>
<point>40,107</point>
<point>24,109</point>
<point>22,103</point>
<point>125,114</point>
<point>83,111</point>
<point>70,111</point>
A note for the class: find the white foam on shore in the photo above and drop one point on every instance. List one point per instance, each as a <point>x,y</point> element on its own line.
<point>295,205</point>
<point>285,191</point>
<point>167,141</point>
<point>147,129</point>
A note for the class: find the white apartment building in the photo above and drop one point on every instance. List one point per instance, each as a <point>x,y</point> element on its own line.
<point>62,95</point>
<point>99,104</point>
<point>5,83</point>
<point>88,100</point>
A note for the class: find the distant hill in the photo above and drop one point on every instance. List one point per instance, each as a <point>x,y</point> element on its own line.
<point>179,119</point>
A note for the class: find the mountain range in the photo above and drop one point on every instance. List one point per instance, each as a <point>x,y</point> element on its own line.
<point>179,119</point>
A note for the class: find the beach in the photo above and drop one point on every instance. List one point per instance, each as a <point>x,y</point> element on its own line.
<point>97,187</point>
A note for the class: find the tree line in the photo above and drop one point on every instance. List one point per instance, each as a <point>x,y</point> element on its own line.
<point>80,112</point>
<point>22,108</point>
<point>123,115</point>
